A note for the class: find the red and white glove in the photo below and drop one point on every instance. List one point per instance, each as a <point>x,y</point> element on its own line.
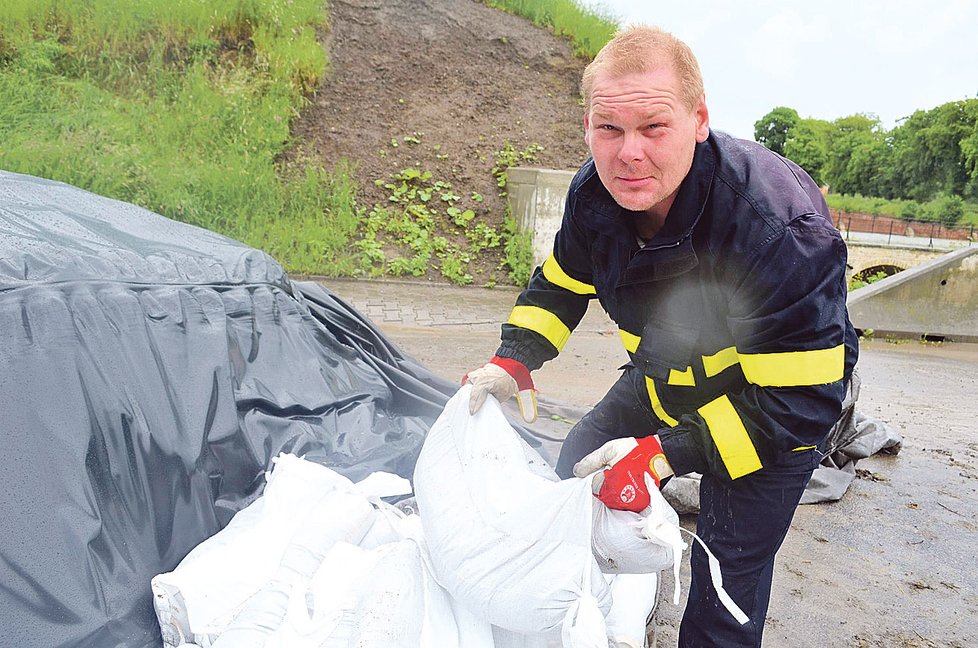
<point>622,485</point>
<point>503,378</point>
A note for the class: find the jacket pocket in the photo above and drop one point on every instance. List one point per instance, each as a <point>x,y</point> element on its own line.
<point>666,351</point>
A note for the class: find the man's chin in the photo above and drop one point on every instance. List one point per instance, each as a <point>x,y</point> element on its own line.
<point>633,202</point>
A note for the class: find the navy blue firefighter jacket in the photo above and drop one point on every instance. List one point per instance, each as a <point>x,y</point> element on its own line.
<point>735,311</point>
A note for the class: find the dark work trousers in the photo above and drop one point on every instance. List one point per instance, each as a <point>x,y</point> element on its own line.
<point>743,522</point>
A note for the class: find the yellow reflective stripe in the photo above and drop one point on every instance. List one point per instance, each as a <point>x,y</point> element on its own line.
<point>794,368</point>
<point>657,404</point>
<point>730,436</point>
<point>556,275</point>
<point>714,364</point>
<point>801,448</point>
<point>630,341</point>
<point>543,322</point>
<point>682,378</point>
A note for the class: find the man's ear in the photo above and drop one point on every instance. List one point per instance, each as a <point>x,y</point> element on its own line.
<point>587,129</point>
<point>702,115</point>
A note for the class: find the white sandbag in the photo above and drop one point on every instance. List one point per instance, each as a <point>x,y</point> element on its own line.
<point>211,586</point>
<point>322,610</point>
<point>382,597</point>
<point>337,516</point>
<point>635,598</point>
<point>619,541</point>
<point>508,543</point>
<point>503,638</point>
<point>384,605</point>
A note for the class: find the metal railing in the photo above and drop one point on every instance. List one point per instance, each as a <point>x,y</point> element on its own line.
<point>901,228</point>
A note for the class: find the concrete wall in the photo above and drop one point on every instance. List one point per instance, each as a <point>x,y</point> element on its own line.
<point>936,298</point>
<point>536,198</point>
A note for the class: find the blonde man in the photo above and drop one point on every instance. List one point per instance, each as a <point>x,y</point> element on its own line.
<point>718,262</point>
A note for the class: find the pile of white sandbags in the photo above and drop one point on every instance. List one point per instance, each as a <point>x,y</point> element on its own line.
<point>502,555</point>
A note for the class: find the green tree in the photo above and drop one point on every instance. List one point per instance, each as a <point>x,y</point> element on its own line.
<point>868,171</point>
<point>931,150</point>
<point>807,146</point>
<point>969,150</point>
<point>772,129</point>
<point>856,136</point>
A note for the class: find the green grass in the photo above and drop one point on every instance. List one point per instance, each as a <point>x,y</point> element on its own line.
<point>587,30</point>
<point>182,107</point>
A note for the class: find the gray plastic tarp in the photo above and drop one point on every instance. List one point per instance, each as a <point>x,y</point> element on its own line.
<point>149,370</point>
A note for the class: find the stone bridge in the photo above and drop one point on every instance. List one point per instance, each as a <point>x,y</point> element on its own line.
<point>868,258</point>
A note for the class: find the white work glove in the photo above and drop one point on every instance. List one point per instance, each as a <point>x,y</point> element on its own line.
<point>627,462</point>
<point>503,378</point>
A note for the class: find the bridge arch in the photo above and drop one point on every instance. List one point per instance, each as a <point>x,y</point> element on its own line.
<point>869,260</point>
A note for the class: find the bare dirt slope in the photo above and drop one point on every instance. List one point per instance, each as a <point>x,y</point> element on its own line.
<point>457,79</point>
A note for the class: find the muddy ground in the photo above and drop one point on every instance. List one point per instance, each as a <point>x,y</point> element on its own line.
<point>891,564</point>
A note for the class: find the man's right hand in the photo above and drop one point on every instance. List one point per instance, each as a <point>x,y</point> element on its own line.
<point>503,378</point>
<point>621,467</point>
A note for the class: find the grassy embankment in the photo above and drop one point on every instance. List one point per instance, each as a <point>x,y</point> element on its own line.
<point>184,106</point>
<point>180,106</point>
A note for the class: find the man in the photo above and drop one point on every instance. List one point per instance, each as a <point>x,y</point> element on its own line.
<point>718,262</point>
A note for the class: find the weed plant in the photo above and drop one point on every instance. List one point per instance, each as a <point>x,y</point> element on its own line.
<point>182,107</point>
<point>426,225</point>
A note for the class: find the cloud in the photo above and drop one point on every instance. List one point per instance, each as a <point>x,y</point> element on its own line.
<point>780,45</point>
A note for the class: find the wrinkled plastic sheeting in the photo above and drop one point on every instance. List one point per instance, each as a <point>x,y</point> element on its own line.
<point>854,436</point>
<point>149,371</point>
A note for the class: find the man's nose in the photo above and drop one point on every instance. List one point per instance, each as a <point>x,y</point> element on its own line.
<point>631,148</point>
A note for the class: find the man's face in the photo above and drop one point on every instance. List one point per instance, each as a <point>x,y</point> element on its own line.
<point>642,136</point>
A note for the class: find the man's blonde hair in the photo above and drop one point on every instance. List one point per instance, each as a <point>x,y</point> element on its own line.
<point>642,48</point>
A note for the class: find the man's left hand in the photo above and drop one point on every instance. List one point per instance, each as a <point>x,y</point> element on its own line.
<point>622,485</point>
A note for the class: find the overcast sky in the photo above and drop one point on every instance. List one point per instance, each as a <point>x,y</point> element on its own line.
<point>825,59</point>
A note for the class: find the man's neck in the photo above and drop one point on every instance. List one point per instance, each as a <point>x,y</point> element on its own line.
<point>647,225</point>
<point>651,220</point>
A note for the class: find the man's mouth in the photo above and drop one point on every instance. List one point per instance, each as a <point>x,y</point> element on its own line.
<point>634,181</point>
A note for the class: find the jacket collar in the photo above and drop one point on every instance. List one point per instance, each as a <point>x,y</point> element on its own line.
<point>670,253</point>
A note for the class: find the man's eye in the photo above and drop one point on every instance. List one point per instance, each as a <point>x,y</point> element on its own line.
<point>607,127</point>
<point>655,126</point>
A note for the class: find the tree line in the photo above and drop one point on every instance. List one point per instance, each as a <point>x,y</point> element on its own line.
<point>929,159</point>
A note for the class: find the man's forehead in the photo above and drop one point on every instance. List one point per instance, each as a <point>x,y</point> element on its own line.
<point>650,98</point>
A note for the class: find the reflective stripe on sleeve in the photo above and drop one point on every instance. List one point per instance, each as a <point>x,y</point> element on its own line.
<point>657,404</point>
<point>719,361</point>
<point>730,436</point>
<point>541,321</point>
<point>629,340</point>
<point>794,368</point>
<point>556,275</point>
